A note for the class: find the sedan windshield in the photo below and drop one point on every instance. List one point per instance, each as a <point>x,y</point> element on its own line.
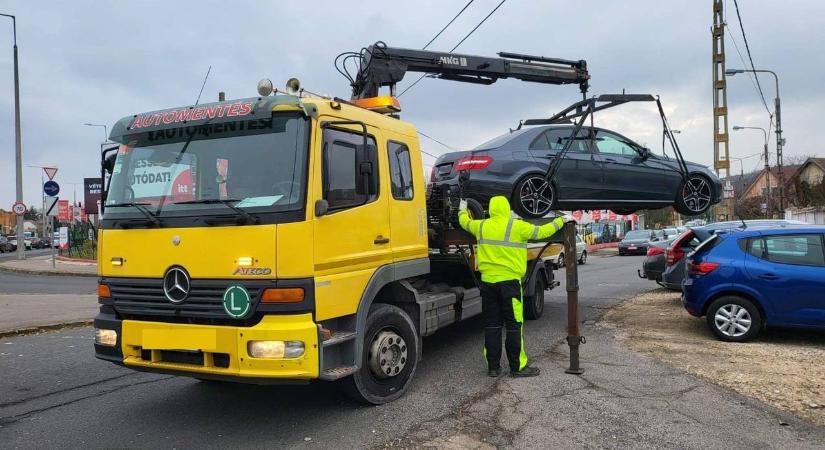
<point>637,235</point>
<point>226,168</point>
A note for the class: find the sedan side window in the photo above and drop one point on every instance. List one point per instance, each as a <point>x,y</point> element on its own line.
<point>802,249</point>
<point>555,138</point>
<point>612,144</point>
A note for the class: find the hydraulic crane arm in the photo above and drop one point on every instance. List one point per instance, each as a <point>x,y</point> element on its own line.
<point>380,65</point>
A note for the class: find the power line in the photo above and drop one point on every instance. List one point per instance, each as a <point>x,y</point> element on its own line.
<point>459,43</point>
<point>747,48</point>
<point>448,24</point>
<point>449,147</point>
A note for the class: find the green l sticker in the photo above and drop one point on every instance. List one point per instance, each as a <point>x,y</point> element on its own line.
<point>236,302</point>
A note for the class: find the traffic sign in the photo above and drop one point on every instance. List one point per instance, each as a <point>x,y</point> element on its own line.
<point>19,208</point>
<point>51,188</point>
<point>50,206</point>
<point>50,172</point>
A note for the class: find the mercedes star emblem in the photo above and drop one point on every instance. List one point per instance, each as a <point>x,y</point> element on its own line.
<point>176,284</point>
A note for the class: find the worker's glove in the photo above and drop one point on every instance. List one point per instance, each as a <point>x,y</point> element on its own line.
<point>462,205</point>
<point>568,218</point>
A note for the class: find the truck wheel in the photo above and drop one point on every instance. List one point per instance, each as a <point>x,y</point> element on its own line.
<point>534,304</point>
<point>389,357</point>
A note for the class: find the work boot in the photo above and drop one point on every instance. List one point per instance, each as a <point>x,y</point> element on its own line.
<point>494,373</point>
<point>525,372</point>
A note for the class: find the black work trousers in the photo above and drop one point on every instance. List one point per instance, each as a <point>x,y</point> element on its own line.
<point>502,308</point>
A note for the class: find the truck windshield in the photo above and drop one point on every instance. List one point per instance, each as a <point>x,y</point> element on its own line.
<point>252,166</point>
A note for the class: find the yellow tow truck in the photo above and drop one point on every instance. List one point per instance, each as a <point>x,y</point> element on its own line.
<point>291,237</point>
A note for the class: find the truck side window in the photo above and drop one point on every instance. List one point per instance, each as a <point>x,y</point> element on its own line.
<point>400,171</point>
<point>340,180</point>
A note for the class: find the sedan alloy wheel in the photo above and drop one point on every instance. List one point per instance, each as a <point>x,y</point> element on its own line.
<point>697,194</point>
<point>732,320</point>
<point>535,196</point>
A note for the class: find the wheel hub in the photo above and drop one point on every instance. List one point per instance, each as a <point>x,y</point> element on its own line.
<point>732,320</point>
<point>388,354</point>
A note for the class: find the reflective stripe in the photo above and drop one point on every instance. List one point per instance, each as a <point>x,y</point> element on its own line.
<point>480,227</point>
<point>555,227</point>
<point>507,230</point>
<point>502,243</point>
<point>535,233</point>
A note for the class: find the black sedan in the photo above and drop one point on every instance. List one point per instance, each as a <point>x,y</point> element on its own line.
<point>635,242</point>
<point>602,169</point>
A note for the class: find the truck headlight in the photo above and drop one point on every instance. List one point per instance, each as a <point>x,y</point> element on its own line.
<point>105,337</point>
<point>275,349</point>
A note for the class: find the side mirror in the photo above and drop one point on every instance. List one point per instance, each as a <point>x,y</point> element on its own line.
<point>366,165</point>
<point>109,162</point>
<point>321,207</point>
<point>644,153</point>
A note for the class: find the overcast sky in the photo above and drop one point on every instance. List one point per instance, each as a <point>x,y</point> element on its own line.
<point>84,61</point>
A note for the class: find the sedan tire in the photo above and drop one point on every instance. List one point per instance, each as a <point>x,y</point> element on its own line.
<point>533,197</point>
<point>734,319</point>
<point>695,195</point>
<point>583,259</point>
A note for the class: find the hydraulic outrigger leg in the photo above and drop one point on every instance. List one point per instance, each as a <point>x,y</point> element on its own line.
<point>574,339</point>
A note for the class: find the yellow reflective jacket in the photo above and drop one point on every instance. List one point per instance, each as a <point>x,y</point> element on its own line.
<point>502,241</point>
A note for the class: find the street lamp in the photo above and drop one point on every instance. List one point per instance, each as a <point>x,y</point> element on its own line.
<point>18,152</point>
<point>105,129</point>
<point>780,142</point>
<point>767,166</point>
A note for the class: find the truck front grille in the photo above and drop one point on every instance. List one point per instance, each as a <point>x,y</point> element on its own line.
<point>143,299</point>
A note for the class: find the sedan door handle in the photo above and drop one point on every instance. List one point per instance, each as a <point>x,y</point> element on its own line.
<point>381,240</point>
<point>610,160</point>
<point>768,276</point>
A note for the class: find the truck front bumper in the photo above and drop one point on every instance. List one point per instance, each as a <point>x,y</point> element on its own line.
<point>212,352</point>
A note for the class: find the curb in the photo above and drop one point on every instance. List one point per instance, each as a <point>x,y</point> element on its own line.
<point>4,268</point>
<point>80,260</point>
<point>43,328</point>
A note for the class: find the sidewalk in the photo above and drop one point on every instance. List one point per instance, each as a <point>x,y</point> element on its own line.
<point>42,265</point>
<point>623,400</point>
<point>25,312</point>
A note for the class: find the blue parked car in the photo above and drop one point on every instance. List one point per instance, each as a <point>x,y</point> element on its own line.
<point>743,281</point>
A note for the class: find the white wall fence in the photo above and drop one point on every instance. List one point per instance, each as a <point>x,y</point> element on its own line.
<point>812,215</point>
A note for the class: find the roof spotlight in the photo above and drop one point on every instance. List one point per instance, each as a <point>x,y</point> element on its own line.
<point>293,86</point>
<point>265,87</point>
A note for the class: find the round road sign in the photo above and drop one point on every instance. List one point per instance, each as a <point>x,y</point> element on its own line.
<point>51,188</point>
<point>19,208</point>
<point>236,302</point>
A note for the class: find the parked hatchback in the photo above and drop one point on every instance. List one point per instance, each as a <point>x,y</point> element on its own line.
<point>635,242</point>
<point>746,280</point>
<point>601,170</point>
<point>686,242</point>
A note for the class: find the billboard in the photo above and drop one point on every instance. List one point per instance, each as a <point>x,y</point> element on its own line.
<point>91,194</point>
<point>63,213</point>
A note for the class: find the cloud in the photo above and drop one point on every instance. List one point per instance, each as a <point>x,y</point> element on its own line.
<point>87,61</point>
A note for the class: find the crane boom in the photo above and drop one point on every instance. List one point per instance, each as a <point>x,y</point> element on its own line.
<point>381,66</point>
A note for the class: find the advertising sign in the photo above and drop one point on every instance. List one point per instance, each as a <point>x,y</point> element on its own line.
<point>64,237</point>
<point>91,194</point>
<point>63,213</point>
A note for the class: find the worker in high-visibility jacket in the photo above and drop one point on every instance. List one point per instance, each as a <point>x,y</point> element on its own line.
<point>502,261</point>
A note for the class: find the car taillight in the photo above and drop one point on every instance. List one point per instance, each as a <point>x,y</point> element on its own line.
<point>653,251</point>
<point>432,173</point>
<point>703,268</point>
<point>472,163</point>
<point>674,253</point>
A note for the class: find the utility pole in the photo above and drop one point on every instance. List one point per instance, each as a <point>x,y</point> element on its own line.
<point>18,152</point>
<point>767,193</point>
<point>721,151</point>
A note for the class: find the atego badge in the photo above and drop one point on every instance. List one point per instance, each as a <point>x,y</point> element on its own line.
<point>236,302</point>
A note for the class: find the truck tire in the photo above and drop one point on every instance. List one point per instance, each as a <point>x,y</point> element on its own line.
<point>389,358</point>
<point>534,303</point>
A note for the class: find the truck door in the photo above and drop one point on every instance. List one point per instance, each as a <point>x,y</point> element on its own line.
<point>352,237</point>
<point>408,215</point>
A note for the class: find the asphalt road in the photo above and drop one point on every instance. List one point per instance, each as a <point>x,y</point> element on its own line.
<point>29,253</point>
<point>55,394</point>
<point>18,283</point>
